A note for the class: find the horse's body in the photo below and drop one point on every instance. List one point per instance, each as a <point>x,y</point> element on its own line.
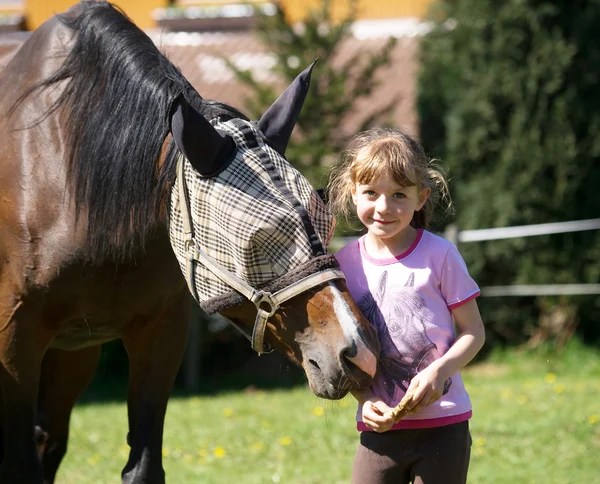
<point>83,266</point>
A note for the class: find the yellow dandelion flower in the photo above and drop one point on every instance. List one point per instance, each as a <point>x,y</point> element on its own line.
<point>558,388</point>
<point>94,459</point>
<point>265,424</point>
<point>166,452</point>
<point>479,451</point>
<point>227,412</point>
<point>593,419</point>
<point>480,442</point>
<point>506,393</point>
<point>522,400</point>
<point>202,453</point>
<point>318,411</point>
<point>257,446</point>
<point>285,440</point>
<point>219,452</point>
<point>550,377</point>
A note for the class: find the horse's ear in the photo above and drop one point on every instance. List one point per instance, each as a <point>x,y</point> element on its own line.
<point>207,150</point>
<point>381,287</point>
<point>411,280</point>
<point>279,120</point>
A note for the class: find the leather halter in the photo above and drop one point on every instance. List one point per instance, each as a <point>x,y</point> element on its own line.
<point>259,298</point>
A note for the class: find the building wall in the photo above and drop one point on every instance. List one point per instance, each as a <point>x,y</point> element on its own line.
<point>38,11</point>
<point>367,9</point>
<point>140,11</point>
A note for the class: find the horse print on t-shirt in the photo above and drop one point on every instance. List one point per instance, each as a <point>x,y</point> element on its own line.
<point>399,315</point>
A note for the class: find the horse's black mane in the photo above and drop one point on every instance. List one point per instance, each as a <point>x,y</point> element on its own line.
<point>118,100</point>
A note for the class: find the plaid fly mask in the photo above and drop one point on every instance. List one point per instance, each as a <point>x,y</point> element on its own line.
<point>255,228</point>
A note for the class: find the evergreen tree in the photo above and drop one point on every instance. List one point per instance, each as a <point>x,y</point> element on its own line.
<point>509,99</point>
<point>334,89</point>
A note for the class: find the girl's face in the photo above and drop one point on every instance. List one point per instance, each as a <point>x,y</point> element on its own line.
<point>386,209</point>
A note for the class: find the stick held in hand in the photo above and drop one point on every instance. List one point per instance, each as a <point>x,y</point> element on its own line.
<point>400,410</point>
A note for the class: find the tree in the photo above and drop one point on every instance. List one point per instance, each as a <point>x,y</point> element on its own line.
<point>334,89</point>
<point>509,98</point>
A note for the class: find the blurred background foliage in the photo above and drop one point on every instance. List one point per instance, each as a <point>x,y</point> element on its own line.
<point>509,100</point>
<point>334,90</point>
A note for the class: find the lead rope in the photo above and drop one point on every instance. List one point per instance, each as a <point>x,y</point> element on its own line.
<point>257,297</point>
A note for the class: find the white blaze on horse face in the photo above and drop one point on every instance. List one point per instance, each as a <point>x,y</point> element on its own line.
<point>364,358</point>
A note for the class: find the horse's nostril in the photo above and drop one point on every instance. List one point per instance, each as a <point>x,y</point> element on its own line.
<point>347,361</point>
<point>314,363</point>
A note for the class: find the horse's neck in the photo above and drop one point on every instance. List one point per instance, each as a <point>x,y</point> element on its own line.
<point>9,46</point>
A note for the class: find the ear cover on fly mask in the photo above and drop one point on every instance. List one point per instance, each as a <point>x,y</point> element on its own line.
<point>278,122</point>
<point>208,151</point>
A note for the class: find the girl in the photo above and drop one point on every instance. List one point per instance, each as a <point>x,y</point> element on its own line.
<point>413,287</point>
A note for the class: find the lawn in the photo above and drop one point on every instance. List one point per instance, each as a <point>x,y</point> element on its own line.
<point>536,420</point>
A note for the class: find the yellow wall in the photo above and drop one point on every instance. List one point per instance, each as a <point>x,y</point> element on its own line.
<point>38,11</point>
<point>367,9</point>
<point>140,11</point>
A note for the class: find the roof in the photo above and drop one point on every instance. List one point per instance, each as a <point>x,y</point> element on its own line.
<point>199,55</point>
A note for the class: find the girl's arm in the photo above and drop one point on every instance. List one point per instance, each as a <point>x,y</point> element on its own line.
<point>429,383</point>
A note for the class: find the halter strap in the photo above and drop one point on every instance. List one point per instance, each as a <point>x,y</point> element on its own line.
<point>256,296</point>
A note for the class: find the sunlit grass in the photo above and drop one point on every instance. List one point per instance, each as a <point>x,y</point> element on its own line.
<point>536,420</point>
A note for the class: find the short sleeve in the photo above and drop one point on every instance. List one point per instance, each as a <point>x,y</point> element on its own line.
<point>457,286</point>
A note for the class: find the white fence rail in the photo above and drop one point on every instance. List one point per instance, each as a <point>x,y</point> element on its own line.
<point>527,230</point>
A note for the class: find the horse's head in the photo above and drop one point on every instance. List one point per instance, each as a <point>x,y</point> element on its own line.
<point>251,234</point>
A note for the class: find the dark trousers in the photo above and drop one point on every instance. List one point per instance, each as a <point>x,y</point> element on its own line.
<point>420,456</point>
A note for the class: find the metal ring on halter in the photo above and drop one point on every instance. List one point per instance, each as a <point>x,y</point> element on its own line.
<point>265,297</point>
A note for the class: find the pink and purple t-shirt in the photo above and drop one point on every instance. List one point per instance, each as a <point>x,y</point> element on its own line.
<point>409,298</point>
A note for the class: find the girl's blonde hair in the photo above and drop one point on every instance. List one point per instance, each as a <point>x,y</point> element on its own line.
<point>386,152</point>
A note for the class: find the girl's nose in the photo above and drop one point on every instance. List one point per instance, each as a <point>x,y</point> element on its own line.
<point>381,204</point>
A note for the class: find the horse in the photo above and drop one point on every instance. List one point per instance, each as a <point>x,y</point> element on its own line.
<point>108,153</point>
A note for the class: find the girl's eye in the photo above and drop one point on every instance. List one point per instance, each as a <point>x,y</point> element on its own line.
<point>370,193</point>
<point>399,195</point>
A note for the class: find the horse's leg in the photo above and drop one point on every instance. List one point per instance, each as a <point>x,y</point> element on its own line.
<point>65,375</point>
<point>155,352</point>
<point>23,342</point>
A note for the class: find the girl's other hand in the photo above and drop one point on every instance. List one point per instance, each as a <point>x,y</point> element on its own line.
<point>376,415</point>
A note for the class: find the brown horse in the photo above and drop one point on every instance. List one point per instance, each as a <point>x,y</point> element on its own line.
<point>94,124</point>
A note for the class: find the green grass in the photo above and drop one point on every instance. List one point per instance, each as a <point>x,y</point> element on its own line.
<point>536,420</point>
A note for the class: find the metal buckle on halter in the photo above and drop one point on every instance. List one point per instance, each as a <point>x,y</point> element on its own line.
<point>189,246</point>
<point>261,297</point>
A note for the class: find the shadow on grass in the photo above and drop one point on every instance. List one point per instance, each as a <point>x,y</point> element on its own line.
<point>219,373</point>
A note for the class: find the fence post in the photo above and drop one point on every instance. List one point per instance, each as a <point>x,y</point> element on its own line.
<point>451,233</point>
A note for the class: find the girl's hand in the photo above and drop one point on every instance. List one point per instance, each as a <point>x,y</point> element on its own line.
<point>376,415</point>
<point>426,387</point>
